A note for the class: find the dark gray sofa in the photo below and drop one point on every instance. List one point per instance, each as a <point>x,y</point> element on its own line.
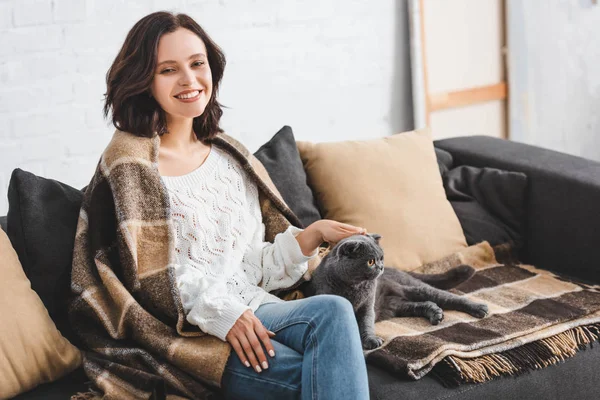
<point>562,227</point>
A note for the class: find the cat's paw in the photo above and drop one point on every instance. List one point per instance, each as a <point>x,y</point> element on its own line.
<point>436,317</point>
<point>435,314</point>
<point>372,342</point>
<point>479,310</point>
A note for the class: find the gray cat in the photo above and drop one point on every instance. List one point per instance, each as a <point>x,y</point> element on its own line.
<point>354,269</point>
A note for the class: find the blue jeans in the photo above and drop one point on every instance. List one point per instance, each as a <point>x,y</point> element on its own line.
<point>318,354</point>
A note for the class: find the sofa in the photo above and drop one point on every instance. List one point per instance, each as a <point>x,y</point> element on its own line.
<point>558,232</point>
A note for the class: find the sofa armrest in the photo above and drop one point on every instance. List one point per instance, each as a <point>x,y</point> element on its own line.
<point>563,201</point>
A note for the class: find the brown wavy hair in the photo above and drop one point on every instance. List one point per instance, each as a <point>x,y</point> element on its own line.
<point>130,76</point>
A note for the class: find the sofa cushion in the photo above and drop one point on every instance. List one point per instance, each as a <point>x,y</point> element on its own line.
<point>490,203</point>
<point>33,350</point>
<point>445,160</point>
<point>42,219</point>
<point>391,186</point>
<point>282,161</point>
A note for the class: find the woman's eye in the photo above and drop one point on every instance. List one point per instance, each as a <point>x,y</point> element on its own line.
<point>371,262</point>
<point>197,63</point>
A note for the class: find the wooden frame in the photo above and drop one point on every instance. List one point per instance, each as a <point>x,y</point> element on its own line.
<point>466,97</point>
<point>425,102</point>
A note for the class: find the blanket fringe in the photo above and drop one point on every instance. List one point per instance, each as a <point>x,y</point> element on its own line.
<point>323,251</point>
<point>539,354</point>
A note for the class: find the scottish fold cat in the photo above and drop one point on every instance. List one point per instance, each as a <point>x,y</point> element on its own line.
<point>354,269</point>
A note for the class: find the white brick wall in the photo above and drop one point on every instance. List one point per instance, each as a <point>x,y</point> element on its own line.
<point>331,69</point>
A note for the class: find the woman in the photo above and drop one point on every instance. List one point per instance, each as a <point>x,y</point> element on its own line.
<point>164,84</point>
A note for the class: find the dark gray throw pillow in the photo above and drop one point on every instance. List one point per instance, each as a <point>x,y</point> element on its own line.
<point>282,161</point>
<point>445,160</point>
<point>489,203</point>
<point>41,224</point>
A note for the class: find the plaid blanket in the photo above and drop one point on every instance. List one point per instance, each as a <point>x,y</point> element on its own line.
<point>126,307</point>
<point>536,319</point>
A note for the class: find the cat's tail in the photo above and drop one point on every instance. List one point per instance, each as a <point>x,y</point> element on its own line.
<point>448,279</point>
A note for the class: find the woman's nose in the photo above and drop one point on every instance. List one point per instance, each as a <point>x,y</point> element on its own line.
<point>188,77</point>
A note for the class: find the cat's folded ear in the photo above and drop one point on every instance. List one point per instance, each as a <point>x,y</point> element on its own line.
<point>375,236</point>
<point>349,248</point>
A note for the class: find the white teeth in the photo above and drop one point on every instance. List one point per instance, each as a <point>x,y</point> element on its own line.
<point>188,95</point>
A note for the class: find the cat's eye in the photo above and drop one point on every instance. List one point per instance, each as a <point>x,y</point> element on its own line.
<point>371,262</point>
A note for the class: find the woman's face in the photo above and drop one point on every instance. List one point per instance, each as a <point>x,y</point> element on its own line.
<point>182,65</point>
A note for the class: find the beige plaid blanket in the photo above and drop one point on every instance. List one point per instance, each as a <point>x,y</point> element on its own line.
<point>536,319</point>
<point>126,307</point>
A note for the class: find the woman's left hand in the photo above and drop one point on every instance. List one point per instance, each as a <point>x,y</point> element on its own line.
<point>334,231</point>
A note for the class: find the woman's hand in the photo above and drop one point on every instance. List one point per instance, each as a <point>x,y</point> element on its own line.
<point>333,231</point>
<point>325,230</point>
<point>244,338</point>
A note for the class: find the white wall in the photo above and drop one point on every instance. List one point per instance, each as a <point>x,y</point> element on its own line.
<point>554,74</point>
<point>331,69</point>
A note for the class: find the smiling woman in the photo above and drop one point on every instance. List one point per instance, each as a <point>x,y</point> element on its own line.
<point>163,57</point>
<point>183,241</point>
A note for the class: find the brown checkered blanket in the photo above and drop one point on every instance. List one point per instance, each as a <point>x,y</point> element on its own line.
<point>536,319</point>
<point>126,307</point>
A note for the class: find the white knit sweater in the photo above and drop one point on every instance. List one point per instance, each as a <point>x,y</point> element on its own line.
<point>224,266</point>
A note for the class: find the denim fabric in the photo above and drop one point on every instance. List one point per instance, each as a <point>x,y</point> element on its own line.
<point>318,354</point>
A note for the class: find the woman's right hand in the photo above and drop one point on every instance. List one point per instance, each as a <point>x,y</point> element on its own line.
<point>244,338</point>
<point>334,231</point>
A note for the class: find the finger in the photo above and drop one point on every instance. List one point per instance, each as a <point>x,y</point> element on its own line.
<point>249,352</point>
<point>353,229</point>
<point>258,350</point>
<point>350,227</point>
<point>264,336</point>
<point>360,230</point>
<point>239,351</point>
<point>349,232</point>
<point>271,333</point>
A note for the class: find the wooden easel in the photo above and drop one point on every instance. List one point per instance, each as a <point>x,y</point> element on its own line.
<point>432,102</point>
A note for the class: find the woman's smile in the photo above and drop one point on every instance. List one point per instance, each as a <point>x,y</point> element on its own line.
<point>190,97</point>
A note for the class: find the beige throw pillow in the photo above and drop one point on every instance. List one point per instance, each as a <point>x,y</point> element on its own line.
<point>391,186</point>
<point>32,350</point>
